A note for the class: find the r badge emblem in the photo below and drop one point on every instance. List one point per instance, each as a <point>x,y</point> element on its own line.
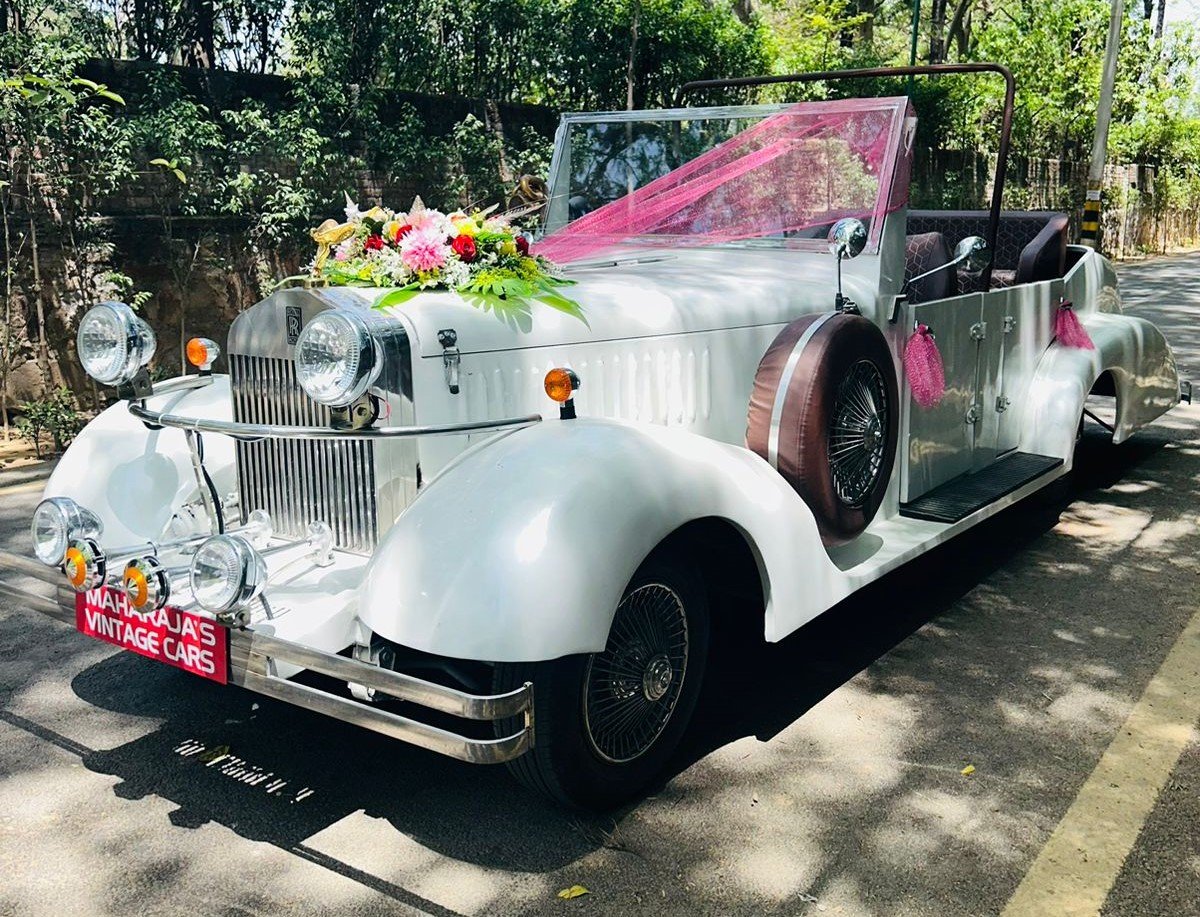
<point>293,318</point>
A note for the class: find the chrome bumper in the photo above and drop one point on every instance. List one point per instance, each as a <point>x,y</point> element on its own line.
<point>252,661</point>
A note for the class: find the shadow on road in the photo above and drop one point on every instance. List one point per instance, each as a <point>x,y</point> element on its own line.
<point>277,774</point>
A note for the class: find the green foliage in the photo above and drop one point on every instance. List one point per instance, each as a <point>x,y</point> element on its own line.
<point>54,415</point>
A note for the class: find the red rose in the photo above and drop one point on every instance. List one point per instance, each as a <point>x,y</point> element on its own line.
<point>522,245</point>
<point>374,243</point>
<point>403,231</point>
<point>464,247</point>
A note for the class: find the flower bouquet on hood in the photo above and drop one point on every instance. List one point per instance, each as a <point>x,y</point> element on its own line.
<point>478,255</point>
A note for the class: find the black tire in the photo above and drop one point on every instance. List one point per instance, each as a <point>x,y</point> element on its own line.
<point>578,762</point>
<point>825,412</point>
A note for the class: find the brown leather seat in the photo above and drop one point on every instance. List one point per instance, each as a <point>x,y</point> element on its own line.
<point>1030,245</point>
<point>924,252</point>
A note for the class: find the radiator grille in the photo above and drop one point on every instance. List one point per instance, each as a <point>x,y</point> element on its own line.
<point>300,481</point>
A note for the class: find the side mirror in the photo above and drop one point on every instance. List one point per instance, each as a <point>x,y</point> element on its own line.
<point>847,238</point>
<point>972,253</point>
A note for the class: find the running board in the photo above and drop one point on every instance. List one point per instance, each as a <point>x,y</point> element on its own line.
<point>959,498</point>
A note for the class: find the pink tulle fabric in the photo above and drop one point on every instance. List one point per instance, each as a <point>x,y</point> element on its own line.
<point>806,166</point>
<point>923,366</point>
<point>1068,330</point>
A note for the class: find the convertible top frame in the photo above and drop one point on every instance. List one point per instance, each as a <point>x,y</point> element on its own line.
<point>872,72</point>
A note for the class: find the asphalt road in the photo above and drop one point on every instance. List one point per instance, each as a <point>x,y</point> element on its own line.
<point>824,776</point>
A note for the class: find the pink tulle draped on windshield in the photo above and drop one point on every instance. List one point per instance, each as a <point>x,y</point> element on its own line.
<point>797,170</point>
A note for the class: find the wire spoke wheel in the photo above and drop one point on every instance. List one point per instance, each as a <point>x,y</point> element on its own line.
<point>631,689</point>
<point>858,433</point>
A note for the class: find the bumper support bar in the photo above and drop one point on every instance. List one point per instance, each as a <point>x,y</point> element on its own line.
<point>252,658</point>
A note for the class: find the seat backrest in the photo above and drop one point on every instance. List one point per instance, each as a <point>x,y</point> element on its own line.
<point>923,252</point>
<point>1030,243</point>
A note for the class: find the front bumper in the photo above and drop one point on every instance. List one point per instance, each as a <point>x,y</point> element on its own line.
<point>254,656</point>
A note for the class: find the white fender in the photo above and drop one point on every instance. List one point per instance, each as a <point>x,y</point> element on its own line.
<point>521,548</point>
<point>135,478</point>
<point>1141,363</point>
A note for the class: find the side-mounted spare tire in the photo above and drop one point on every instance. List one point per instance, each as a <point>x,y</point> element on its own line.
<point>825,413</point>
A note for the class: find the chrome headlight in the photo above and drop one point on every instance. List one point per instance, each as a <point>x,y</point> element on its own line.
<point>337,358</point>
<point>227,573</point>
<point>114,343</point>
<point>55,522</point>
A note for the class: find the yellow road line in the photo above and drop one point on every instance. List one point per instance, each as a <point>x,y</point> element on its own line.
<point>27,487</point>
<point>1076,869</point>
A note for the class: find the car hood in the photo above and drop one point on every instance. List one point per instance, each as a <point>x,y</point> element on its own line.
<point>638,294</point>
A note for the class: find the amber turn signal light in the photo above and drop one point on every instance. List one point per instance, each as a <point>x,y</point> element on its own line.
<point>202,353</point>
<point>561,384</point>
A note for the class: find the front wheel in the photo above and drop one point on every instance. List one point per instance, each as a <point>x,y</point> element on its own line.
<point>606,723</point>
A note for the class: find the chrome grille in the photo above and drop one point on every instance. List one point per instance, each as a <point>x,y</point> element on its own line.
<point>300,481</point>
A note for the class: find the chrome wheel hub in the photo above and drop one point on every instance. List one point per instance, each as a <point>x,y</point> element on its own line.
<point>631,689</point>
<point>858,433</point>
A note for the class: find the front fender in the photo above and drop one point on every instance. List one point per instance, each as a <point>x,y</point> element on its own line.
<point>1140,361</point>
<point>135,478</point>
<point>520,549</point>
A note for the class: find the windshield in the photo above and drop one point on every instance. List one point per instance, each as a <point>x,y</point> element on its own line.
<point>767,174</point>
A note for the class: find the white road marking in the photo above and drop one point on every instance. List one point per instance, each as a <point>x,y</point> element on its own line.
<point>1075,871</point>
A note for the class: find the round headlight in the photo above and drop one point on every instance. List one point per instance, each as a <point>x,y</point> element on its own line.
<point>227,573</point>
<point>55,522</point>
<point>337,358</point>
<point>113,343</point>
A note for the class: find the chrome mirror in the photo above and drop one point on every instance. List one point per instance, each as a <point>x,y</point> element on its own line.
<point>847,238</point>
<point>972,253</point>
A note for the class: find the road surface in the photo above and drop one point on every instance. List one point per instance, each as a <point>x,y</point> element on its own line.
<point>1050,654</point>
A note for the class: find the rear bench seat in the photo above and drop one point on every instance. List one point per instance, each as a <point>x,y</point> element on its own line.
<point>1030,245</point>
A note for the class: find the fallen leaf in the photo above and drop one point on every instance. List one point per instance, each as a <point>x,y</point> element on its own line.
<point>575,891</point>
<point>968,770</point>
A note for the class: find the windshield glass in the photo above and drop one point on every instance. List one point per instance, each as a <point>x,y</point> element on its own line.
<point>768,174</point>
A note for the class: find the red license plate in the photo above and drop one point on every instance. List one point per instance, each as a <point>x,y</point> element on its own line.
<point>187,641</point>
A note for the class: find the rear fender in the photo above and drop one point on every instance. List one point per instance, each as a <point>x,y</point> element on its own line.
<point>1143,369</point>
<point>135,478</point>
<point>521,548</point>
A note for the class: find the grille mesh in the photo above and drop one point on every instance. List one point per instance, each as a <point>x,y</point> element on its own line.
<point>300,481</point>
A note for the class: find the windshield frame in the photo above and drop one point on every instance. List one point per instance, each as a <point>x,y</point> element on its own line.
<point>559,178</point>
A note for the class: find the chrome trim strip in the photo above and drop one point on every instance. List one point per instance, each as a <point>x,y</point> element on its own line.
<point>473,751</point>
<point>785,379</point>
<point>255,431</point>
<point>251,654</point>
<point>395,684</point>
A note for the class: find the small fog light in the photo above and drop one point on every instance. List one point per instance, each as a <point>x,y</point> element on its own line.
<point>55,522</point>
<point>227,573</point>
<point>146,584</point>
<point>202,353</point>
<point>84,564</point>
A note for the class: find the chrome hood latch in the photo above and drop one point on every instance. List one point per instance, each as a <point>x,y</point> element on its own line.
<point>451,358</point>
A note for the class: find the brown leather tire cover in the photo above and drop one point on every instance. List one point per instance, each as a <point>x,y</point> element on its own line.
<point>836,344</point>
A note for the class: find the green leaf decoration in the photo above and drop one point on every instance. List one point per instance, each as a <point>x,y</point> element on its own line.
<point>111,96</point>
<point>86,83</point>
<point>395,297</point>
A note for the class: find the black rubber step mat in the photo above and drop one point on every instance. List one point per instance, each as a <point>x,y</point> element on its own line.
<point>959,498</point>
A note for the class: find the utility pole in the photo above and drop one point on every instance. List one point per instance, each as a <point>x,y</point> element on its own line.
<point>1090,227</point>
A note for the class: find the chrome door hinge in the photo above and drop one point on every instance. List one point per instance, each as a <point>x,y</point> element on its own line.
<point>973,413</point>
<point>979,331</point>
<point>1010,322</point>
<point>451,358</point>
<point>1002,404</point>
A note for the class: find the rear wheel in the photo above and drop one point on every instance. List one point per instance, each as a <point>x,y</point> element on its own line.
<point>606,723</point>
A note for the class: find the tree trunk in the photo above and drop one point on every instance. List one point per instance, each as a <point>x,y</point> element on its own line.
<point>958,27</point>
<point>6,348</point>
<point>631,66</point>
<point>937,31</point>
<point>1162,15</point>
<point>43,357</point>
<point>492,111</point>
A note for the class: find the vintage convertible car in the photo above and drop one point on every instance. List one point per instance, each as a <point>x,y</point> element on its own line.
<point>396,508</point>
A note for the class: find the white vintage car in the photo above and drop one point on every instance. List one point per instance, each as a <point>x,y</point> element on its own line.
<point>490,574</point>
